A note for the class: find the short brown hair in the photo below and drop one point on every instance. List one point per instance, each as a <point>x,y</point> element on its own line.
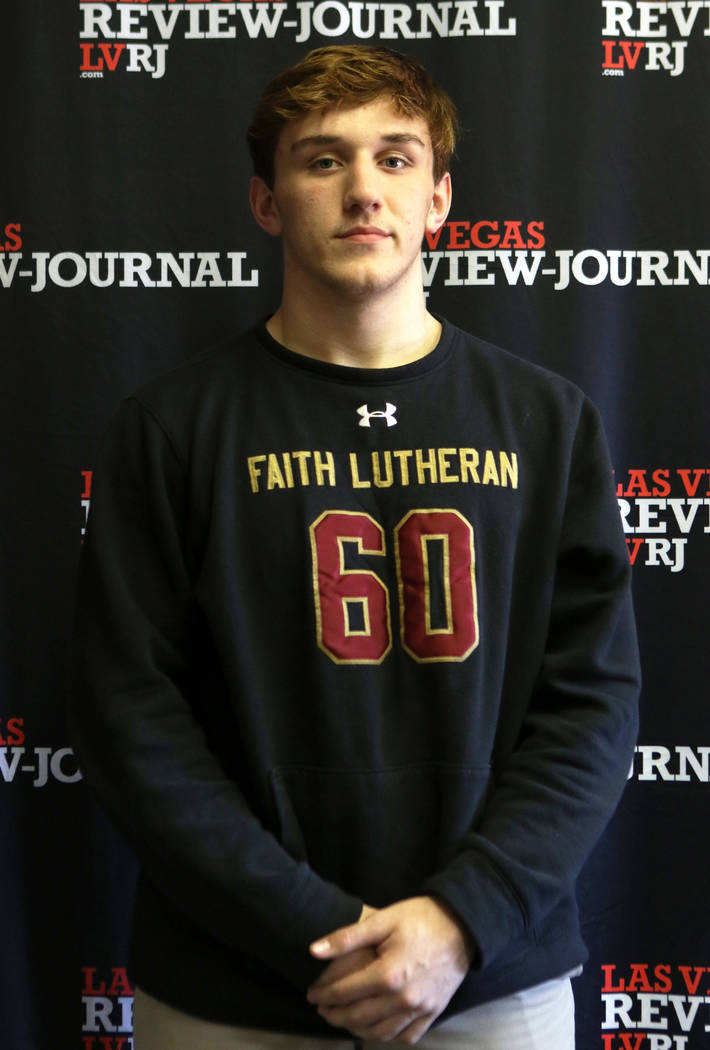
<point>351,74</point>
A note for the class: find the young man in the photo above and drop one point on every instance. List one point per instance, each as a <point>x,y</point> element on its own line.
<point>357,664</point>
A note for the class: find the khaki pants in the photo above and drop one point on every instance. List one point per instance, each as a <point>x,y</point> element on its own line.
<point>540,1018</point>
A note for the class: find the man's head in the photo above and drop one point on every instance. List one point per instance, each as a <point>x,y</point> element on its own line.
<point>351,75</point>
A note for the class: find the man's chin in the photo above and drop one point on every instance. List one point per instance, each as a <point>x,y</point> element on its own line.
<point>362,285</point>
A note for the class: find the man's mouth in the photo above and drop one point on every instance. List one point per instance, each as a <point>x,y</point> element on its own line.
<point>363,234</point>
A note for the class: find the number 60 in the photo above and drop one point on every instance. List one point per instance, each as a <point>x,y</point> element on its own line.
<point>435,563</point>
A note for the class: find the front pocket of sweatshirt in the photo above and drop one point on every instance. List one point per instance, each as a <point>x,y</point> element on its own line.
<point>378,833</point>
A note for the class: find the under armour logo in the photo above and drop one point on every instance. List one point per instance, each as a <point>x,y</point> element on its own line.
<point>388,415</point>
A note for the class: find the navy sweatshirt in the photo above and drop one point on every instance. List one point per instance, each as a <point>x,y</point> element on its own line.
<point>345,636</point>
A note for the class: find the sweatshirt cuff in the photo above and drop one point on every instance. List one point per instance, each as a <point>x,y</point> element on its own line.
<point>321,908</point>
<point>487,907</point>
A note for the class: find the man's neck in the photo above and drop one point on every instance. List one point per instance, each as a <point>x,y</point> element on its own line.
<point>357,334</point>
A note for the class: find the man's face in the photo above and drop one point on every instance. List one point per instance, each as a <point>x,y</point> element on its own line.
<point>353,195</point>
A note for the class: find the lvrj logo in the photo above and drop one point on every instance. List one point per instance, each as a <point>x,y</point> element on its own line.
<point>136,58</point>
<point>13,240</point>
<point>655,34</point>
<point>621,54</point>
<point>41,763</point>
<point>107,1010</point>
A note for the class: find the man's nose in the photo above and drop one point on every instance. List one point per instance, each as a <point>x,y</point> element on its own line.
<point>362,189</point>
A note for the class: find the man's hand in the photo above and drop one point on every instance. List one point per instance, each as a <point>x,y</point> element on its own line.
<point>344,965</point>
<point>393,972</point>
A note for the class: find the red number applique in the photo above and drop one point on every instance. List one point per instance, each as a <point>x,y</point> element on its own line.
<point>435,562</point>
<point>352,605</point>
<point>434,550</point>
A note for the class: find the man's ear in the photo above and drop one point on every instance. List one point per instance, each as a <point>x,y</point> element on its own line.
<point>263,206</point>
<point>440,204</point>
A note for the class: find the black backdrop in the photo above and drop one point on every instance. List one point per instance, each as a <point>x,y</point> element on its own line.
<point>578,238</point>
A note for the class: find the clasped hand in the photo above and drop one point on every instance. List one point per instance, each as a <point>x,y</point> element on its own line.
<point>393,972</point>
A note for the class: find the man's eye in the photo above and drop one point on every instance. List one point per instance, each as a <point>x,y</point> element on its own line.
<point>323,163</point>
<point>395,162</point>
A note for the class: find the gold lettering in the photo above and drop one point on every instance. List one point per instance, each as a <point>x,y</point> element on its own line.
<point>444,464</point>
<point>425,464</point>
<point>274,477</point>
<point>287,469</point>
<point>302,460</point>
<point>357,484</point>
<point>254,472</point>
<point>509,469</point>
<point>490,471</point>
<point>325,465</point>
<point>403,455</point>
<point>468,462</point>
<point>380,482</point>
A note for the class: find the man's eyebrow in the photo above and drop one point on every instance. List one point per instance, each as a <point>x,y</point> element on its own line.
<point>395,137</point>
<point>405,137</point>
<point>314,140</point>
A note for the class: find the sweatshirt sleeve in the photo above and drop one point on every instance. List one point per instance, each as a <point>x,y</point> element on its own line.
<point>554,792</point>
<point>138,740</point>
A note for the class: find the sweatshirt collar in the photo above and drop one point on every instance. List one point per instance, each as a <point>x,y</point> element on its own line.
<point>355,375</point>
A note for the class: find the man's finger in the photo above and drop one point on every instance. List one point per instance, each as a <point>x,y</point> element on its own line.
<point>349,988</point>
<point>363,934</point>
<point>412,1033</point>
<point>380,1017</point>
<point>345,965</point>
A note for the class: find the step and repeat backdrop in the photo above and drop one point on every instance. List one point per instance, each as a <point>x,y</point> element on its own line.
<point>579,238</point>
